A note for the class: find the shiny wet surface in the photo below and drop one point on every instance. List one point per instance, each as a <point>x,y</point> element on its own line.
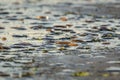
<point>58,40</point>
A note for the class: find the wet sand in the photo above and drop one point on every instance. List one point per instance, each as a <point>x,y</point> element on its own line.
<point>62,40</point>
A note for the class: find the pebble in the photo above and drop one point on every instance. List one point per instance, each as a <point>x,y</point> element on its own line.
<point>63,19</point>
<point>20,36</point>
<point>18,28</point>
<point>4,38</point>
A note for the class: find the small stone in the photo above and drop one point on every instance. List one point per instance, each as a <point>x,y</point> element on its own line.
<point>42,17</point>
<point>106,43</point>
<point>20,36</point>
<point>104,28</point>
<point>63,19</point>
<point>2,28</point>
<point>108,35</point>
<point>4,38</point>
<point>18,28</point>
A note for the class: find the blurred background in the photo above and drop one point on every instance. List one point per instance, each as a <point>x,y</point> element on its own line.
<point>57,1</point>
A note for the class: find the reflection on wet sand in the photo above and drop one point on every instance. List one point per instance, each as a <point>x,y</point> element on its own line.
<point>59,40</point>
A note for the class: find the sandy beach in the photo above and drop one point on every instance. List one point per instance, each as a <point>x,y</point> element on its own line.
<point>59,40</point>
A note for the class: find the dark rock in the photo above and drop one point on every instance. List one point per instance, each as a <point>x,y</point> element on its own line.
<point>4,13</point>
<point>18,28</point>
<point>20,36</point>
<point>109,35</point>
<point>106,29</point>
<point>36,27</point>
<point>2,28</point>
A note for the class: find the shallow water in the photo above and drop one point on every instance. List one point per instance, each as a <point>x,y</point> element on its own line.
<point>26,34</point>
